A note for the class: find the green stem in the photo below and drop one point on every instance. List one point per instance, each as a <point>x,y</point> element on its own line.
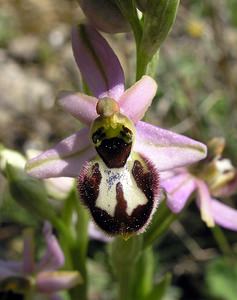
<point>142,63</point>
<point>123,257</point>
<point>128,9</point>
<point>143,274</point>
<point>222,241</point>
<point>64,230</point>
<point>125,283</point>
<point>79,251</point>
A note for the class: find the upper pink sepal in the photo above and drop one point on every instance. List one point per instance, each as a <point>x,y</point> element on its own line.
<point>168,150</point>
<point>97,62</point>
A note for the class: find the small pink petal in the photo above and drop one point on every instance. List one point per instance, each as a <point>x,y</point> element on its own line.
<point>53,257</point>
<point>204,203</point>
<point>178,189</point>
<point>52,282</point>
<point>65,159</point>
<point>79,105</point>
<point>97,62</point>
<point>166,149</point>
<point>224,215</point>
<point>136,100</point>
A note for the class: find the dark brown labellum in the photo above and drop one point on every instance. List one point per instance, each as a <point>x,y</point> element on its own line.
<point>121,201</point>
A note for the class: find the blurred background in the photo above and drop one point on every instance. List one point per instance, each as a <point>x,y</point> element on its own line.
<point>197,78</point>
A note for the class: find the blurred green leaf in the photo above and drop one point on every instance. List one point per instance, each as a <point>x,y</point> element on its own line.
<point>160,224</point>
<point>143,274</point>
<point>221,279</point>
<point>10,211</point>
<point>159,290</point>
<point>30,193</point>
<point>7,28</point>
<point>232,9</point>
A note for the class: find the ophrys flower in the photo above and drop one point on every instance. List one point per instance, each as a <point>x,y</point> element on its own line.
<point>212,178</point>
<point>116,157</point>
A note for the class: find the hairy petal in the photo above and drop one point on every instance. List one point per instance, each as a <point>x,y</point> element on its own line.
<point>136,100</point>
<point>178,189</point>
<point>53,257</point>
<point>51,282</point>
<point>80,106</point>
<point>65,159</point>
<point>97,62</point>
<point>204,203</point>
<point>224,215</point>
<point>166,149</point>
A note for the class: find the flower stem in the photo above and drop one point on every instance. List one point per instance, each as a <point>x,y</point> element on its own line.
<point>142,63</point>
<point>125,284</point>
<point>143,274</point>
<point>79,251</point>
<point>222,241</point>
<point>128,9</point>
<point>123,256</point>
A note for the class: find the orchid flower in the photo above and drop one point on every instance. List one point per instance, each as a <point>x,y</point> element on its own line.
<point>43,276</point>
<point>117,158</point>
<point>213,177</point>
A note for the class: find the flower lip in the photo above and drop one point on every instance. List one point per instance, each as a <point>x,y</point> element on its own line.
<point>107,194</point>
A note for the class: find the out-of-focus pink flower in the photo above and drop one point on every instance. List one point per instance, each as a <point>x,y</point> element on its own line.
<point>211,178</point>
<point>44,275</point>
